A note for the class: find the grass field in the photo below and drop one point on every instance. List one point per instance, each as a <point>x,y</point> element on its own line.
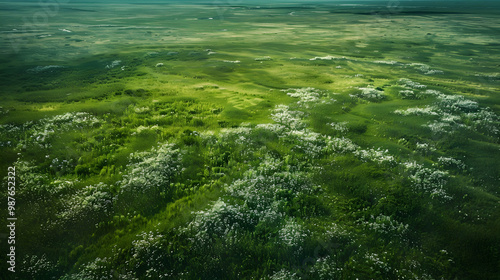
<point>249,140</point>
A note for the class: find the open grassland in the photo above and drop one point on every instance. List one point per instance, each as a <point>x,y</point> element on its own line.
<point>210,141</point>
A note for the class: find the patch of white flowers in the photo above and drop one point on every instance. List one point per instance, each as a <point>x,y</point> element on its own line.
<point>147,251</point>
<point>407,94</point>
<point>424,68</point>
<point>231,61</point>
<point>113,64</point>
<point>98,269</point>
<point>141,129</point>
<point>142,110</point>
<point>40,133</point>
<point>370,93</point>
<point>284,275</point>
<point>484,120</point>
<point>429,181</point>
<point>326,268</point>
<point>378,155</point>
<point>424,147</point>
<point>9,133</point>
<point>289,119</point>
<point>453,111</point>
<point>39,69</point>
<point>292,234</point>
<point>33,181</point>
<point>409,84</point>
<point>340,127</point>
<point>416,111</point>
<point>306,95</point>
<point>387,226</point>
<point>264,58</point>
<point>378,262</point>
<point>263,191</point>
<point>152,170</point>
<point>456,104</point>
<point>294,131</point>
<point>328,57</point>
<point>452,162</point>
<point>222,220</point>
<point>390,62</point>
<point>92,201</point>
<point>36,266</point>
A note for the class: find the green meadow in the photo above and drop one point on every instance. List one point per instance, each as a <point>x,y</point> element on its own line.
<point>257,140</point>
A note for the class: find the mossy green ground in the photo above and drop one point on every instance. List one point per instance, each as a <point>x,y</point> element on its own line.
<point>186,69</point>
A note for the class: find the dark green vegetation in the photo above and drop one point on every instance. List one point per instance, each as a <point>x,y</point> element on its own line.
<point>213,141</point>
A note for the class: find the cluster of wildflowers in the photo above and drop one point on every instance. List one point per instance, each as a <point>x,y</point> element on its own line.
<point>453,111</point>
<point>40,133</point>
<point>386,226</point>
<point>264,58</point>
<point>378,262</point>
<point>380,156</point>
<point>290,119</point>
<point>94,202</point>
<point>417,111</point>
<point>424,148</point>
<point>328,57</point>
<point>456,104</point>
<point>231,61</point>
<point>314,144</point>
<point>409,84</point>
<point>142,110</point>
<point>306,141</point>
<point>438,127</point>
<point>148,251</point>
<point>326,268</point>
<point>292,234</point>
<point>415,90</point>
<point>387,62</point>
<point>64,166</point>
<point>493,76</point>
<point>307,96</point>
<point>239,135</point>
<point>141,129</point>
<point>370,93</point>
<point>424,68</point>
<point>230,138</point>
<point>485,121</point>
<point>9,133</point>
<point>264,191</point>
<point>335,232</point>
<point>341,127</point>
<point>222,220</point>
<point>456,111</point>
<point>284,275</point>
<point>36,266</point>
<point>33,180</point>
<point>98,269</point>
<point>407,94</point>
<point>429,181</point>
<point>293,130</point>
<point>449,162</point>
<point>152,170</point>
<point>39,69</point>
<point>411,165</point>
<point>113,64</point>
<point>384,264</point>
